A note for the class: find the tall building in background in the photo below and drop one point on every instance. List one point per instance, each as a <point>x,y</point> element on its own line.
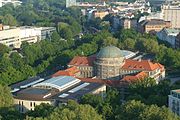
<point>172,13</point>
<point>70,3</point>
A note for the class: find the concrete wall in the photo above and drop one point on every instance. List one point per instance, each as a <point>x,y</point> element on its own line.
<point>26,105</point>
<point>174,104</point>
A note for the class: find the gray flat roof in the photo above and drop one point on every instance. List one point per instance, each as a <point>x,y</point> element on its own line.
<point>73,92</point>
<point>66,95</point>
<point>35,91</point>
<point>21,83</point>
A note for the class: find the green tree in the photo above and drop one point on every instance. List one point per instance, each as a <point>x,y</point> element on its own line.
<point>110,41</point>
<point>42,110</point>
<point>3,49</point>
<point>156,113</point>
<point>8,19</point>
<point>93,100</point>
<point>139,111</point>
<point>129,44</point>
<point>5,96</point>
<point>130,110</point>
<point>65,31</point>
<point>75,111</point>
<point>55,36</point>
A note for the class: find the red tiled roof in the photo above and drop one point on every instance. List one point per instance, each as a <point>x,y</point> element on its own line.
<point>78,60</point>
<point>92,80</point>
<point>116,83</point>
<point>68,72</point>
<point>144,65</point>
<point>140,75</point>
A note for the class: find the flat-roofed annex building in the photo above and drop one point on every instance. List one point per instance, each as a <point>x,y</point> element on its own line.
<point>54,91</point>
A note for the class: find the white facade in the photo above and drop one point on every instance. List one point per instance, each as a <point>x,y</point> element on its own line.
<point>172,13</point>
<point>13,37</point>
<point>174,101</point>
<point>14,2</point>
<point>169,35</point>
<point>156,15</point>
<point>10,37</point>
<point>70,3</point>
<point>25,105</point>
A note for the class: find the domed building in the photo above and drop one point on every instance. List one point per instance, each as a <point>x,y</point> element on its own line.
<point>108,63</point>
<point>113,64</point>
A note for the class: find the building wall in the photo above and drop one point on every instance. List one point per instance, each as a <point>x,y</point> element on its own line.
<point>86,71</point>
<point>177,41</point>
<point>157,28</point>
<point>70,3</point>
<point>128,23</point>
<point>1,26</point>
<point>14,37</point>
<point>168,37</point>
<point>26,105</point>
<point>157,74</point>
<point>171,14</point>
<point>108,68</point>
<point>10,37</point>
<point>174,104</point>
<point>100,91</point>
<point>100,14</point>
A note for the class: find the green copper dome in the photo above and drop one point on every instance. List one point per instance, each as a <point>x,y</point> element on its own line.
<point>109,52</point>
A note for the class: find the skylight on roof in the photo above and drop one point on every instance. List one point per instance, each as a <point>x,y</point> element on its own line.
<point>63,95</point>
<point>78,87</point>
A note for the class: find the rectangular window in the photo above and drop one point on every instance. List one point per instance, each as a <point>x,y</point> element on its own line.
<point>30,104</point>
<point>19,107</point>
<point>34,104</point>
<point>22,108</point>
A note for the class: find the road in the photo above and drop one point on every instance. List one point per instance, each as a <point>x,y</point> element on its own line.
<point>174,79</point>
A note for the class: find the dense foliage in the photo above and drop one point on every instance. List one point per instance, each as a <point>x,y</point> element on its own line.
<point>71,111</point>
<point>48,56</point>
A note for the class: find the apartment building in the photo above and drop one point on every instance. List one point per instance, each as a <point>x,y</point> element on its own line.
<point>174,101</point>
<point>10,37</point>
<point>169,35</point>
<point>153,25</point>
<point>13,37</point>
<point>172,13</point>
<point>127,23</point>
